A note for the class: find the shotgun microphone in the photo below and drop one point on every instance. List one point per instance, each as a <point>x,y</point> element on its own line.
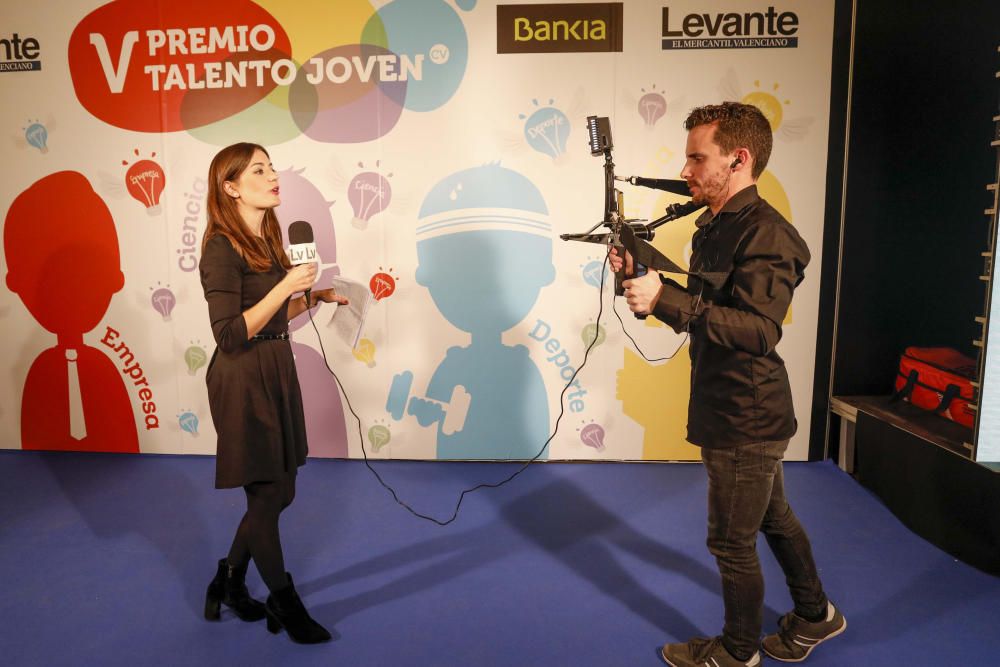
<point>668,184</point>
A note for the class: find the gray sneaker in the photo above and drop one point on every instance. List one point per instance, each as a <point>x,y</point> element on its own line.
<point>797,637</point>
<point>702,652</point>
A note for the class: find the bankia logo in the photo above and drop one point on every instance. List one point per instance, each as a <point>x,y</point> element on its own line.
<point>560,28</point>
<point>768,29</point>
<point>19,54</point>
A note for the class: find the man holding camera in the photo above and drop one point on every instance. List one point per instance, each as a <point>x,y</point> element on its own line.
<point>740,411</point>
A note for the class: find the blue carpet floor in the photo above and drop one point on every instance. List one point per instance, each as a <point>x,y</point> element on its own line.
<point>105,560</point>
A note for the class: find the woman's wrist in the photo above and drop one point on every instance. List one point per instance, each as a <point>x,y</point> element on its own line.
<point>286,290</point>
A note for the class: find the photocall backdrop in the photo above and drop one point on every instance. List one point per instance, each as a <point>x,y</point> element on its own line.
<point>438,149</point>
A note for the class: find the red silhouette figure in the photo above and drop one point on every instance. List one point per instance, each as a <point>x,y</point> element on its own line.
<point>63,262</point>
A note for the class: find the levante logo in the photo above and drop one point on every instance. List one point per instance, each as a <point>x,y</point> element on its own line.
<point>768,29</point>
<point>19,54</point>
<point>559,28</point>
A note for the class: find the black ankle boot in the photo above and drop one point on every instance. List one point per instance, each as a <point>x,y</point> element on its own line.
<point>229,588</point>
<point>285,610</point>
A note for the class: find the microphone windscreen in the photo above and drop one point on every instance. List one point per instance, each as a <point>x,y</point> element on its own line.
<point>666,184</point>
<point>676,186</point>
<point>300,232</point>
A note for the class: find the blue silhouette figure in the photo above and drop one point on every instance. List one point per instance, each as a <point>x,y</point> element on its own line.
<point>484,249</point>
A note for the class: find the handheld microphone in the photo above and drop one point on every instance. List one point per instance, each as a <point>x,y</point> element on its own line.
<point>301,247</point>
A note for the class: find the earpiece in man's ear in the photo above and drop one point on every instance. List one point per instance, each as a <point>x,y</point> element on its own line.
<point>737,161</point>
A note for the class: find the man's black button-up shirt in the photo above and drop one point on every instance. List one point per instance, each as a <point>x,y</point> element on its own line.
<point>739,387</point>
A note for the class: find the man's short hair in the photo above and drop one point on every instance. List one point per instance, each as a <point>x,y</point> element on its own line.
<point>737,125</point>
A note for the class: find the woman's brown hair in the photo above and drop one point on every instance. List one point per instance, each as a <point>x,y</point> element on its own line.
<point>224,218</point>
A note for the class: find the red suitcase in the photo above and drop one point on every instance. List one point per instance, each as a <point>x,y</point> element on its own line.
<point>938,379</point>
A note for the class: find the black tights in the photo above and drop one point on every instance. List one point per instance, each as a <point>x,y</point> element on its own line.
<point>257,535</point>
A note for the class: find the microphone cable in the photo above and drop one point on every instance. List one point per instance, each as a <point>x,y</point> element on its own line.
<point>639,349</point>
<point>524,466</point>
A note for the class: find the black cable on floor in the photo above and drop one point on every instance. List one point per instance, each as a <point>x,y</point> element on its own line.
<point>484,485</point>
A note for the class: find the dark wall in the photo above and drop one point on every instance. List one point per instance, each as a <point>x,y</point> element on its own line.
<point>924,95</point>
<point>840,66</point>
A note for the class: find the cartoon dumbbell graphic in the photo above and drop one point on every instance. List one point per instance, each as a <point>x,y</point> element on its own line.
<point>427,410</point>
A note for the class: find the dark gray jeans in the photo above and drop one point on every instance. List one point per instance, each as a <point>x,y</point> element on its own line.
<point>746,494</point>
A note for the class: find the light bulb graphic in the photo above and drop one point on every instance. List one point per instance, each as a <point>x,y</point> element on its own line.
<point>592,273</point>
<point>368,193</point>
<point>772,103</point>
<point>379,436</point>
<point>382,285</point>
<point>547,130</point>
<point>652,106</point>
<point>592,331</point>
<point>195,357</point>
<point>144,181</point>
<point>37,136</point>
<point>592,435</point>
<point>189,423</point>
<point>163,301</point>
<point>365,352</point>
<point>768,105</point>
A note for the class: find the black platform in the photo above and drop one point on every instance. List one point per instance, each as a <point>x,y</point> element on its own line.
<point>920,465</point>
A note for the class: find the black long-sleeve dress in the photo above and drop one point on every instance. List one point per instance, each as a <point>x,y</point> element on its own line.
<point>253,389</point>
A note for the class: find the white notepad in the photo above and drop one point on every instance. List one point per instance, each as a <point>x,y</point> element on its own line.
<point>349,321</point>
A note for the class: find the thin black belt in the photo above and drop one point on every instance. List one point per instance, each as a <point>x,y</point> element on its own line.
<point>278,336</point>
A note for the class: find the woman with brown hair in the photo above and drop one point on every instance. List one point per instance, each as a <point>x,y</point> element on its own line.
<point>253,389</point>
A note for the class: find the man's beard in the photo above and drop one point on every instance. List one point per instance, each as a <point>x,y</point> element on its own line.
<point>709,191</point>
